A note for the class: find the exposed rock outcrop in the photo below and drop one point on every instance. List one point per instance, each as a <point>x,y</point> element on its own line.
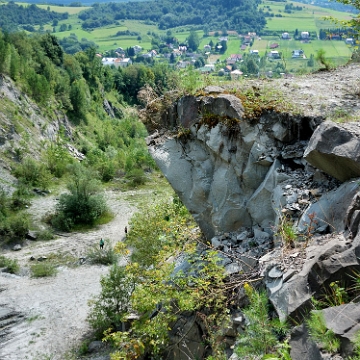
<point>243,173</point>
<point>228,167</point>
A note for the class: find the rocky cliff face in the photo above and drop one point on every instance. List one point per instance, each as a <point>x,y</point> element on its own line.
<point>243,161</point>
<point>24,129</point>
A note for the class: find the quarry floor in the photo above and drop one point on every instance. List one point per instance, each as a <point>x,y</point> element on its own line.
<point>55,308</point>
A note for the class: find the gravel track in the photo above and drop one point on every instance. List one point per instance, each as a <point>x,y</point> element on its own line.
<point>56,308</point>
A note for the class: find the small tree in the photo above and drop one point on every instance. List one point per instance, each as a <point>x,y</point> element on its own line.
<point>193,40</point>
<point>114,300</point>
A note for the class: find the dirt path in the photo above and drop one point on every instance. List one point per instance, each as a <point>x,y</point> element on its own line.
<point>56,308</point>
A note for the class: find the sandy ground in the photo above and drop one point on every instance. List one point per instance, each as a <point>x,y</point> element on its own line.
<point>55,308</point>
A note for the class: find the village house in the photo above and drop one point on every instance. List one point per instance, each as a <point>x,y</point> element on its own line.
<point>120,50</point>
<point>209,67</point>
<point>274,46</point>
<point>254,52</point>
<point>236,74</point>
<point>236,57</point>
<point>207,48</point>
<point>285,36</point>
<point>274,54</point>
<point>125,62</point>
<point>177,52</point>
<point>298,54</point>
<point>137,49</point>
<point>150,54</point>
<point>350,41</point>
<point>183,64</point>
<point>117,62</point>
<point>247,39</point>
<point>305,35</point>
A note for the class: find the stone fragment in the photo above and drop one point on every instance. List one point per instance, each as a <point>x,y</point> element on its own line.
<point>17,247</point>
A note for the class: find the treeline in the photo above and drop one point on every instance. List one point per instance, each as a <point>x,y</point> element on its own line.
<point>242,16</point>
<point>336,33</point>
<point>13,15</point>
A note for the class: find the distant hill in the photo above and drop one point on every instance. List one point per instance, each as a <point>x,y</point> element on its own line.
<point>70,2</point>
<point>242,16</point>
<point>330,5</point>
<point>15,17</point>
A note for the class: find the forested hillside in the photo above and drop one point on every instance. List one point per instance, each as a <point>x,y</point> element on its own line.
<point>76,90</point>
<point>241,15</point>
<point>13,15</point>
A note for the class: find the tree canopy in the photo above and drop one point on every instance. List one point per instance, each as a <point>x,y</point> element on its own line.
<point>240,15</point>
<point>13,15</point>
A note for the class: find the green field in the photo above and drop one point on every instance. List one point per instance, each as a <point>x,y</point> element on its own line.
<point>62,9</point>
<point>311,18</point>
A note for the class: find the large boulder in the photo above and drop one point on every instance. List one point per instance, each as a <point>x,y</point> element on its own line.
<point>344,321</point>
<point>328,259</point>
<point>334,148</point>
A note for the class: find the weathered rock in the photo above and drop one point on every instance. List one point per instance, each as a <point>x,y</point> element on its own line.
<point>333,148</point>
<point>302,347</point>
<point>186,339</point>
<point>226,181</point>
<point>95,346</point>
<point>17,247</point>
<point>331,209</point>
<point>31,235</point>
<point>8,318</point>
<point>332,260</point>
<point>344,321</point>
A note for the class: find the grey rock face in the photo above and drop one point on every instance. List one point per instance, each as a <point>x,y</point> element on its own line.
<point>333,148</point>
<point>302,347</point>
<point>225,176</point>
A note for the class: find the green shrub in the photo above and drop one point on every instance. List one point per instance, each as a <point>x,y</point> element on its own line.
<point>20,198</point>
<point>45,234</point>
<point>57,158</point>
<point>11,265</point>
<point>33,173</point>
<point>114,300</point>
<point>136,177</point>
<point>4,203</point>
<point>43,269</point>
<point>84,203</point>
<point>19,225</point>
<point>321,334</point>
<point>259,337</point>
<point>105,256</point>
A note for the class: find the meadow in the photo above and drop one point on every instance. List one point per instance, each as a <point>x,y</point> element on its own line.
<point>310,18</point>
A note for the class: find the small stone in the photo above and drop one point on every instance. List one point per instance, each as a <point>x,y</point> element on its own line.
<point>42,258</point>
<point>275,273</point>
<point>216,243</point>
<point>17,247</point>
